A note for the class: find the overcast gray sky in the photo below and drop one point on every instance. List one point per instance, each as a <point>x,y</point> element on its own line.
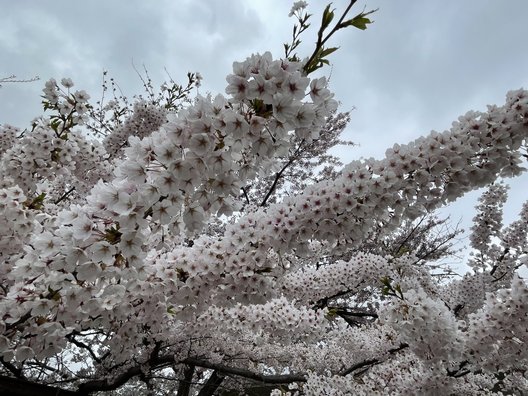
<point>417,68</point>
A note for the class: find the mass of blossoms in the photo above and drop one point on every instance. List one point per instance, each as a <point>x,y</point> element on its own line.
<point>211,245</point>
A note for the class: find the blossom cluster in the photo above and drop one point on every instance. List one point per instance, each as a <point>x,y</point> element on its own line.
<point>44,162</point>
<point>278,317</point>
<point>145,119</point>
<point>362,272</point>
<point>499,250</point>
<point>16,227</point>
<point>8,137</point>
<point>488,222</point>
<point>37,156</point>
<point>196,161</point>
<point>427,325</point>
<point>497,332</point>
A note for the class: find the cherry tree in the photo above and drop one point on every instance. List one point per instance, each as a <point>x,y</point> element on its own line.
<point>213,246</point>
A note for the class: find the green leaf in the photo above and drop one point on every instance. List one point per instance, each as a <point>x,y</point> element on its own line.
<point>36,203</point>
<point>53,294</point>
<point>257,105</point>
<point>403,250</point>
<point>55,124</point>
<point>55,155</point>
<point>112,235</point>
<point>359,22</point>
<point>332,313</point>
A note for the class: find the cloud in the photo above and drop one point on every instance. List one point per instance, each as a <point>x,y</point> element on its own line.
<point>425,63</point>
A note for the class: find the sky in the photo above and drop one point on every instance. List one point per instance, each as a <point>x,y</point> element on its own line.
<point>419,66</point>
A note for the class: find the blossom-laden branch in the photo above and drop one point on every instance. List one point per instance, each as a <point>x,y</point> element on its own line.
<point>13,79</point>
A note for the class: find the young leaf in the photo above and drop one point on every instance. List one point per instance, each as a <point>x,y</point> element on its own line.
<point>359,21</point>
<point>328,51</point>
<point>328,16</point>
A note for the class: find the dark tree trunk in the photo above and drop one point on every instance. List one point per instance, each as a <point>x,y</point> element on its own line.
<point>19,387</point>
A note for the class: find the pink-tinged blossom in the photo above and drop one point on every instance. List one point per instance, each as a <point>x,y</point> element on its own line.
<point>238,87</point>
<point>319,91</point>
<point>283,108</point>
<point>102,251</point>
<point>88,271</point>
<point>82,228</point>
<point>295,85</point>
<point>201,144</point>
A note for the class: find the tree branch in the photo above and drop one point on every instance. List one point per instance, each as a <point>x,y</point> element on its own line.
<point>82,345</point>
<point>119,380</point>
<point>371,362</point>
<point>17,372</point>
<point>161,361</point>
<point>185,383</point>
<point>350,316</point>
<point>65,195</point>
<point>27,388</point>
<point>19,387</point>
<point>245,195</point>
<point>364,363</point>
<point>408,236</point>
<point>212,384</point>
<point>266,379</point>
<point>278,175</point>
